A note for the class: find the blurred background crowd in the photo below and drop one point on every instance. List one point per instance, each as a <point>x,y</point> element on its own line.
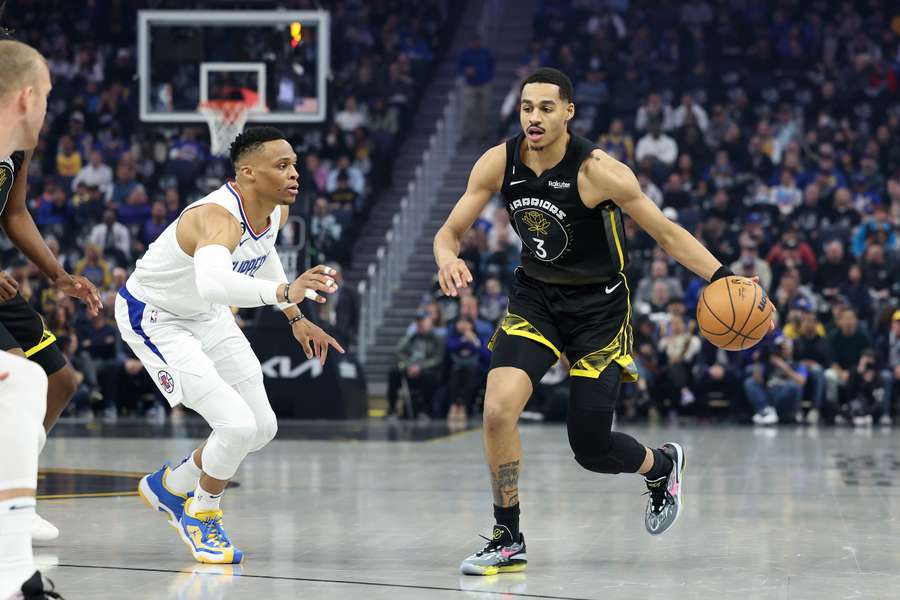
<point>767,129</point>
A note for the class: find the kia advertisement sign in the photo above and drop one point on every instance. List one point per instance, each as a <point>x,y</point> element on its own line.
<point>301,388</point>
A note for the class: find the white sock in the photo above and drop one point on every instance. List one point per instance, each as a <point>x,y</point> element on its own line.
<point>17,562</point>
<point>184,477</point>
<point>203,501</point>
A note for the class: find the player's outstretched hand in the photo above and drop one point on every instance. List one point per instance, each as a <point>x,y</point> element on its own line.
<point>319,278</point>
<point>314,340</point>
<point>9,287</point>
<point>81,288</point>
<point>453,276</point>
<point>755,279</point>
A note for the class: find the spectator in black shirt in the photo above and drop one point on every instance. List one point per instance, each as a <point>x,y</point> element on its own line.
<point>846,345</point>
<point>833,270</point>
<point>857,293</point>
<point>98,342</point>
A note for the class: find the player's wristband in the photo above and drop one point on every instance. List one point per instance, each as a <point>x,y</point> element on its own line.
<point>296,319</point>
<point>287,288</point>
<point>721,272</point>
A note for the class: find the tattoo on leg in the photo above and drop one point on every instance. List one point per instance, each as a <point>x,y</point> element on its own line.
<point>505,484</point>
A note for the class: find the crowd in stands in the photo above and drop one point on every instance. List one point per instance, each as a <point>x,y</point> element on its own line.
<point>102,185</point>
<point>769,130</point>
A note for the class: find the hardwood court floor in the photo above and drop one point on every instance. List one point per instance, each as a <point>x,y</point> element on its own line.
<point>387,511</point>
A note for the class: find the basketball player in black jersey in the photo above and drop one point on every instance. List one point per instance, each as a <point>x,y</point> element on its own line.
<point>565,198</point>
<point>22,330</point>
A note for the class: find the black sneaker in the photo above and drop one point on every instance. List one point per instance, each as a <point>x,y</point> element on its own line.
<point>500,555</point>
<point>38,588</point>
<point>666,493</point>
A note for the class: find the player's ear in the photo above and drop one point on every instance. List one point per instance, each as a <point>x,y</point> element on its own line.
<point>247,172</point>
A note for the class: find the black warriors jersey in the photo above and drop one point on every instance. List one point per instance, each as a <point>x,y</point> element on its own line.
<point>563,241</point>
<point>9,169</point>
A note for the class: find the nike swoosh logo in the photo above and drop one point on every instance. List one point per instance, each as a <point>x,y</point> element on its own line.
<point>610,290</point>
<point>517,182</point>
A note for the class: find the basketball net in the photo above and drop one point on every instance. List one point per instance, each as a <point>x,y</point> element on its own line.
<point>226,119</point>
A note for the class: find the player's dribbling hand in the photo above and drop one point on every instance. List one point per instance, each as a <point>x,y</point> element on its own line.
<point>9,287</point>
<point>454,275</point>
<point>319,278</point>
<point>314,340</point>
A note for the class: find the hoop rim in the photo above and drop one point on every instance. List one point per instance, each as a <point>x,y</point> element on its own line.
<point>227,110</point>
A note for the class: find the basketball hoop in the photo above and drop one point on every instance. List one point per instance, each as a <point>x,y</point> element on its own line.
<point>226,119</point>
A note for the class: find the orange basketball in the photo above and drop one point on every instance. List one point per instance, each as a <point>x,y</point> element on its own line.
<point>734,313</point>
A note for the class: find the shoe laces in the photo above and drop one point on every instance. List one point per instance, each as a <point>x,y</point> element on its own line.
<point>215,535</point>
<point>491,546</point>
<point>659,495</point>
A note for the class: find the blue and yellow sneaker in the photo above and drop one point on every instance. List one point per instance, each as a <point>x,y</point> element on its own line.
<point>205,537</point>
<point>158,496</point>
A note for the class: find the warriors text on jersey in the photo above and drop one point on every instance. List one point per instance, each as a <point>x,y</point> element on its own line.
<point>563,241</point>
<point>164,277</point>
<point>9,168</point>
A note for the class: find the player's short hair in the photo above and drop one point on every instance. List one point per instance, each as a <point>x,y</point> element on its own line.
<point>553,76</point>
<point>20,65</point>
<point>252,140</point>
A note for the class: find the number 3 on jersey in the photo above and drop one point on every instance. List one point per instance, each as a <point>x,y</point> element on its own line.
<point>539,251</point>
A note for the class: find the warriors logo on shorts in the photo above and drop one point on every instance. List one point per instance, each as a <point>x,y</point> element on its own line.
<point>166,381</point>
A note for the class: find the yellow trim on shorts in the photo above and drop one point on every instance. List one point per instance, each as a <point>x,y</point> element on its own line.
<point>46,339</point>
<point>513,324</point>
<point>618,350</point>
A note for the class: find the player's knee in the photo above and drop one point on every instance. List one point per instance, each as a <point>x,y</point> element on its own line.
<point>590,447</point>
<point>266,428</point>
<point>500,416</point>
<point>243,431</point>
<point>505,395</point>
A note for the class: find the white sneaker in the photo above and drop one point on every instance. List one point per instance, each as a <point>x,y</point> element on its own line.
<point>812,417</point>
<point>42,530</point>
<point>766,416</point>
<point>862,421</point>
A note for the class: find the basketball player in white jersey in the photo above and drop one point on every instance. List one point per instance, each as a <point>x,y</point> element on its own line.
<point>24,87</point>
<point>174,314</point>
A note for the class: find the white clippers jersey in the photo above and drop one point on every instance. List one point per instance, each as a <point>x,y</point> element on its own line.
<point>164,277</point>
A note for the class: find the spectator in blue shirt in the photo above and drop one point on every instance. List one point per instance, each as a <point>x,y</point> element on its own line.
<point>476,65</point>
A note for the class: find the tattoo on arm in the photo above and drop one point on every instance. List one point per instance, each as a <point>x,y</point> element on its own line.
<point>505,484</point>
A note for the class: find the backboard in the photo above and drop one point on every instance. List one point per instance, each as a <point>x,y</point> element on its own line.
<point>186,57</point>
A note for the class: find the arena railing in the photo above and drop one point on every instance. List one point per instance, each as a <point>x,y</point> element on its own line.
<point>384,274</point>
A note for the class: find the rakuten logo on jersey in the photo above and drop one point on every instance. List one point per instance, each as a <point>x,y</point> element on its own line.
<point>559,185</point>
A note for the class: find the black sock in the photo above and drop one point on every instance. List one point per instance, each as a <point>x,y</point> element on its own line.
<point>508,516</point>
<point>662,465</point>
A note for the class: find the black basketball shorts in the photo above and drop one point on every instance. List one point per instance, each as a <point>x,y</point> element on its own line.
<point>22,327</point>
<point>591,323</point>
